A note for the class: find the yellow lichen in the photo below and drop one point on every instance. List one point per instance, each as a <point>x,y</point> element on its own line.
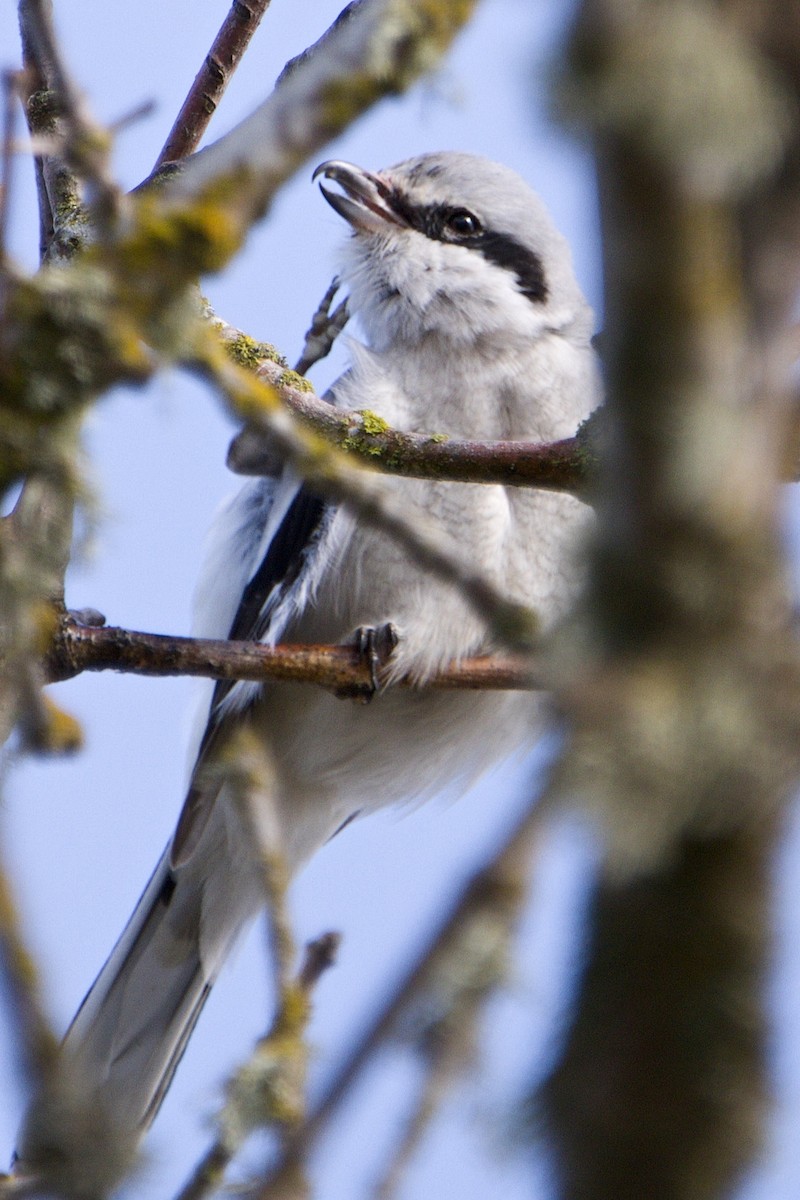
<point>178,242</point>
<point>291,379</point>
<point>61,733</point>
<point>371,423</point>
<point>247,352</point>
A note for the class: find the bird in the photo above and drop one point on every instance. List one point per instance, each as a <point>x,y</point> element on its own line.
<point>472,326</point>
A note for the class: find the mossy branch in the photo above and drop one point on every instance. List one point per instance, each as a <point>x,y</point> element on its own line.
<point>456,968</point>
<point>330,473</point>
<point>564,466</point>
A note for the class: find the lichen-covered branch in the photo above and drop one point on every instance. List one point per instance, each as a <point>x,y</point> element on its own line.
<point>331,473</point>
<point>559,466</point>
<point>453,976</point>
<point>684,726</point>
<point>268,1091</point>
<point>59,110</point>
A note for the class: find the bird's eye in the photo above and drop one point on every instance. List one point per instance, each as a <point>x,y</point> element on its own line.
<point>462,222</point>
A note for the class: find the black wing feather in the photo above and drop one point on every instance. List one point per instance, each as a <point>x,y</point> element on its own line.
<point>280,567</point>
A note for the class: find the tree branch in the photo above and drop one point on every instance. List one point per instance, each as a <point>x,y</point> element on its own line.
<point>212,79</point>
<point>86,145</point>
<point>563,466</point>
<point>687,760</point>
<point>489,903</point>
<point>79,648</point>
<point>328,471</point>
<point>374,49</point>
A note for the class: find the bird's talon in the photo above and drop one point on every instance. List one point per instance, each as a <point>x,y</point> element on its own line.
<point>375,645</point>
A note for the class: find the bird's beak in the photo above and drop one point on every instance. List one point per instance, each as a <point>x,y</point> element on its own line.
<point>366,203</point>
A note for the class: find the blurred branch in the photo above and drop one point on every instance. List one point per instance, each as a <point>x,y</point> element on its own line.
<point>254,1085</point>
<point>684,722</point>
<point>61,1113</point>
<point>460,965</point>
<point>435,1082</point>
<point>34,1041</point>
<point>662,1076</point>
<point>56,185</point>
<point>233,38</point>
<point>78,648</point>
<point>10,81</point>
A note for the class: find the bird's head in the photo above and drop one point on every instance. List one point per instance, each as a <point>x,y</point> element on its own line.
<point>452,246</point>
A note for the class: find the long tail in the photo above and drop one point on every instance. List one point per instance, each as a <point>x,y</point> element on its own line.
<point>132,1028</point>
<point>128,1036</point>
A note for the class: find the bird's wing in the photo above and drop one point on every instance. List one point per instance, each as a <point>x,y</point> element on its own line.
<point>132,1028</point>
<point>260,616</point>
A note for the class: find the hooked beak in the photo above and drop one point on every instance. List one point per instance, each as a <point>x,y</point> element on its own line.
<point>366,203</point>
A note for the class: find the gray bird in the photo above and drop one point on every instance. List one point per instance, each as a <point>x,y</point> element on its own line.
<point>474,327</point>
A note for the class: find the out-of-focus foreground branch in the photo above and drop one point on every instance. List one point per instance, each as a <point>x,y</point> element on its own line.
<point>124,305</point>
<point>684,724</point>
<point>437,1001</point>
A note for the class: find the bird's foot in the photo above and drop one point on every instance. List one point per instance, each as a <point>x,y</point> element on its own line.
<point>375,645</point>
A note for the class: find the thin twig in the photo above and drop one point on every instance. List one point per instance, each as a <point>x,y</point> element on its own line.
<point>432,1090</point>
<point>341,669</point>
<point>34,83</point>
<point>10,85</point>
<point>86,145</point>
<point>319,956</point>
<point>212,79</point>
<point>35,1042</point>
<point>209,1173</point>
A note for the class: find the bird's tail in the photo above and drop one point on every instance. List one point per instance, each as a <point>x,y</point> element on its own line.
<point>131,1030</point>
<point>133,1025</point>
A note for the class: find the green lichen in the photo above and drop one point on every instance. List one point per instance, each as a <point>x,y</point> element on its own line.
<point>170,246</point>
<point>371,423</point>
<point>588,438</point>
<point>291,379</point>
<point>357,443</point>
<point>249,353</point>
<point>43,109</point>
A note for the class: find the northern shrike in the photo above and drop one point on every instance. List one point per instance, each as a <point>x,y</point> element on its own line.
<point>475,328</point>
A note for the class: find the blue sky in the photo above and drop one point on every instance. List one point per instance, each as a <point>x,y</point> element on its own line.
<point>82,836</point>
